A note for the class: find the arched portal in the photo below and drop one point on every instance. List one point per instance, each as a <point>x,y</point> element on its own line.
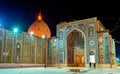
<point>76,48</point>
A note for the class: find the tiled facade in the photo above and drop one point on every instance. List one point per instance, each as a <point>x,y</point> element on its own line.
<point>73,45</point>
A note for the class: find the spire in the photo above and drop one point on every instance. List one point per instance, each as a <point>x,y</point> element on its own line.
<point>39,16</point>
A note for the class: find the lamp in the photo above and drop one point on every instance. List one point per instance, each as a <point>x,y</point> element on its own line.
<point>15,30</point>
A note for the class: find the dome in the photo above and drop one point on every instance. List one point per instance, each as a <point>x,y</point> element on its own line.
<point>39,28</point>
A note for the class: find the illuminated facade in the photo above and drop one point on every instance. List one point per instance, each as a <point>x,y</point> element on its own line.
<point>21,48</point>
<point>75,42</point>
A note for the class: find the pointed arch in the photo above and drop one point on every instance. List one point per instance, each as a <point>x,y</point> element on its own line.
<point>84,39</point>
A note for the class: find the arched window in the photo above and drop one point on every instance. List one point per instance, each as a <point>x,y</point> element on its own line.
<point>90,31</point>
<point>61,57</point>
<point>61,35</point>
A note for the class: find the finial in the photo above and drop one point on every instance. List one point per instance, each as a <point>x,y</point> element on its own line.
<point>39,16</point>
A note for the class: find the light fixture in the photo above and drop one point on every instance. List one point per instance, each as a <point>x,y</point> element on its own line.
<point>31,33</point>
<point>15,30</point>
<point>43,36</point>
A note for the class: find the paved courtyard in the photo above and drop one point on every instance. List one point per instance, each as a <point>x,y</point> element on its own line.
<point>49,70</point>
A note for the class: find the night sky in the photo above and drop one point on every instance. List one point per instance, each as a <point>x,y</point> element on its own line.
<point>22,13</point>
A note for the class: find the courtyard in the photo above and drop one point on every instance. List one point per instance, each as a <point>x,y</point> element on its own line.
<point>64,70</point>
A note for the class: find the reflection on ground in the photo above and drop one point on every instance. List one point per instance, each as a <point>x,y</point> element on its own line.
<point>50,70</point>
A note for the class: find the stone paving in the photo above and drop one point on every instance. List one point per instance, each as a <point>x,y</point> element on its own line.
<point>66,70</point>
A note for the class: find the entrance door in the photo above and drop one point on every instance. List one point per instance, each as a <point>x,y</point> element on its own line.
<point>75,46</point>
<point>79,61</point>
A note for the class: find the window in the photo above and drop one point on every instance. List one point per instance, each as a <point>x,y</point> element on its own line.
<point>61,57</point>
<point>90,31</point>
<point>61,35</point>
<point>92,53</point>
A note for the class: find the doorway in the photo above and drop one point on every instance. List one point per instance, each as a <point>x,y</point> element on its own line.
<point>79,61</point>
<point>75,49</point>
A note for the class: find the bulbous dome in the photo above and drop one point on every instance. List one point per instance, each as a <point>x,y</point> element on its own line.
<point>39,28</point>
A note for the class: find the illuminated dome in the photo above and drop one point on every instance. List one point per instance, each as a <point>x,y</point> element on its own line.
<point>39,28</point>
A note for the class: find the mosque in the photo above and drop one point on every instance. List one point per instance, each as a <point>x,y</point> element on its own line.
<point>72,46</point>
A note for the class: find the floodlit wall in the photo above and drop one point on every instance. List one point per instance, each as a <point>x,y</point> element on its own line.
<point>21,48</point>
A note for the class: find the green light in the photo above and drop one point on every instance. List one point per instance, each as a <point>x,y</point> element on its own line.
<point>118,59</point>
<point>15,30</point>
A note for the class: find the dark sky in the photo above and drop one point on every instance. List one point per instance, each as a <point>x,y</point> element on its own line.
<point>22,13</point>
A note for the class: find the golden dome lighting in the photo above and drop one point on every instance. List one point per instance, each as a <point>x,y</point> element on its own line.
<point>39,28</point>
<point>39,17</point>
<point>31,32</point>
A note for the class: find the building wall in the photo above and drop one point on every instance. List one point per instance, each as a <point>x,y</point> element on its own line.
<point>22,48</point>
<point>95,41</point>
<point>114,51</point>
<point>104,48</point>
<point>52,51</point>
<point>88,29</point>
<point>25,48</point>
